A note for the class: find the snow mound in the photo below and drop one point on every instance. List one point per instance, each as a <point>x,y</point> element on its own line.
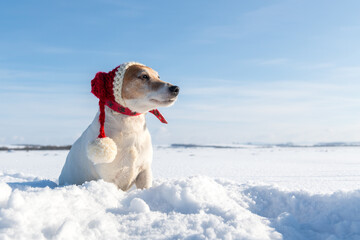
<point>300,215</point>
<point>188,208</point>
<point>193,208</point>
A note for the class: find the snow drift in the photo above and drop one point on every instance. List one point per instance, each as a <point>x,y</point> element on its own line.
<point>189,208</point>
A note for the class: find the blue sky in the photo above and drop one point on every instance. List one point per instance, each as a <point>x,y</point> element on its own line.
<point>249,71</point>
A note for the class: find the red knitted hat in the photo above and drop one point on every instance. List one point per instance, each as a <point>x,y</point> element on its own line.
<point>107,87</point>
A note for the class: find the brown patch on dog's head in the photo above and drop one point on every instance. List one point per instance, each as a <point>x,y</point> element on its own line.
<point>138,81</point>
<point>142,89</point>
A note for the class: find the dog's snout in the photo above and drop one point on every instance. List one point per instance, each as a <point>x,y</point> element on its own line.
<point>174,90</point>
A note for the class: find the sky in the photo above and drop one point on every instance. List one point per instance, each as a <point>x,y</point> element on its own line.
<point>249,71</point>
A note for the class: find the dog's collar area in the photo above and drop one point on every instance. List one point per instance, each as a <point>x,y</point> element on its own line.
<point>126,111</point>
<point>120,109</point>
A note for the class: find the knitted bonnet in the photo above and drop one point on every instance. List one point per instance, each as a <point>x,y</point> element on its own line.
<point>107,87</point>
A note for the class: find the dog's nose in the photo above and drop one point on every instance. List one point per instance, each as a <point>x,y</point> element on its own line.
<point>174,90</point>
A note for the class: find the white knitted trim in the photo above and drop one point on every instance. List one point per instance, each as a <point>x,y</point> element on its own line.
<point>118,81</point>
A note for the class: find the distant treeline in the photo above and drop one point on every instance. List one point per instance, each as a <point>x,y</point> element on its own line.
<point>34,147</point>
<point>30,147</point>
<point>262,145</point>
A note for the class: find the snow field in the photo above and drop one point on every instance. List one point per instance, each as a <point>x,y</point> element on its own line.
<point>233,194</point>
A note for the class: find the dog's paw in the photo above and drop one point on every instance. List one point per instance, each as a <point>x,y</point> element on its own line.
<point>102,150</point>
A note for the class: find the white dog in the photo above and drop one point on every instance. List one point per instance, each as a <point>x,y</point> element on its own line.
<point>125,156</point>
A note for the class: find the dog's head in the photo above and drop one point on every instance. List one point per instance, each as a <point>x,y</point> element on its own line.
<point>142,90</point>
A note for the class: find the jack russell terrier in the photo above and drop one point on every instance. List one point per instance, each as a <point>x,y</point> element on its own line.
<point>123,156</point>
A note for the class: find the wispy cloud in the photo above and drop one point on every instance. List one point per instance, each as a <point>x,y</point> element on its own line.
<point>270,61</point>
<point>315,66</point>
<point>67,50</point>
<point>291,108</point>
<point>346,72</point>
<point>249,23</point>
<point>6,74</point>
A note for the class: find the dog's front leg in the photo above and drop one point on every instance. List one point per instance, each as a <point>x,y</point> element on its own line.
<point>144,179</point>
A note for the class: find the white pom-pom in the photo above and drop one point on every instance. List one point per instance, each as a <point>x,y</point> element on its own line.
<point>102,150</point>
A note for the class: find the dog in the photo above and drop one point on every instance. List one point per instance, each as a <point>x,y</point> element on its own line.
<point>124,156</point>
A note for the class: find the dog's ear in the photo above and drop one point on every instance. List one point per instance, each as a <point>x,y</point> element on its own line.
<point>102,85</point>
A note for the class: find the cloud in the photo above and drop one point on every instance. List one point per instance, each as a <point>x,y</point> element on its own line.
<point>315,66</point>
<point>346,72</point>
<point>267,62</point>
<point>248,22</point>
<point>71,51</point>
<point>19,74</point>
<point>275,61</point>
<point>292,106</point>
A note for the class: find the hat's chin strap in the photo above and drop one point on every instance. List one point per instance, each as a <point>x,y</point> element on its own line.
<point>126,111</point>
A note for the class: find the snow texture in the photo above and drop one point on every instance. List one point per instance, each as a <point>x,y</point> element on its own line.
<point>220,205</point>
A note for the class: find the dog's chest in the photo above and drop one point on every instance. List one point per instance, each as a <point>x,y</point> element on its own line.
<point>133,159</point>
<point>134,150</point>
<point>134,155</point>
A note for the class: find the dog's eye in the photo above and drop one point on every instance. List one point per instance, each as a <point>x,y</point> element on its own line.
<point>146,77</point>
<point>158,77</point>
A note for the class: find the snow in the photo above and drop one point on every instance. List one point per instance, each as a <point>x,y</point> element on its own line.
<point>315,169</point>
<point>198,193</point>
